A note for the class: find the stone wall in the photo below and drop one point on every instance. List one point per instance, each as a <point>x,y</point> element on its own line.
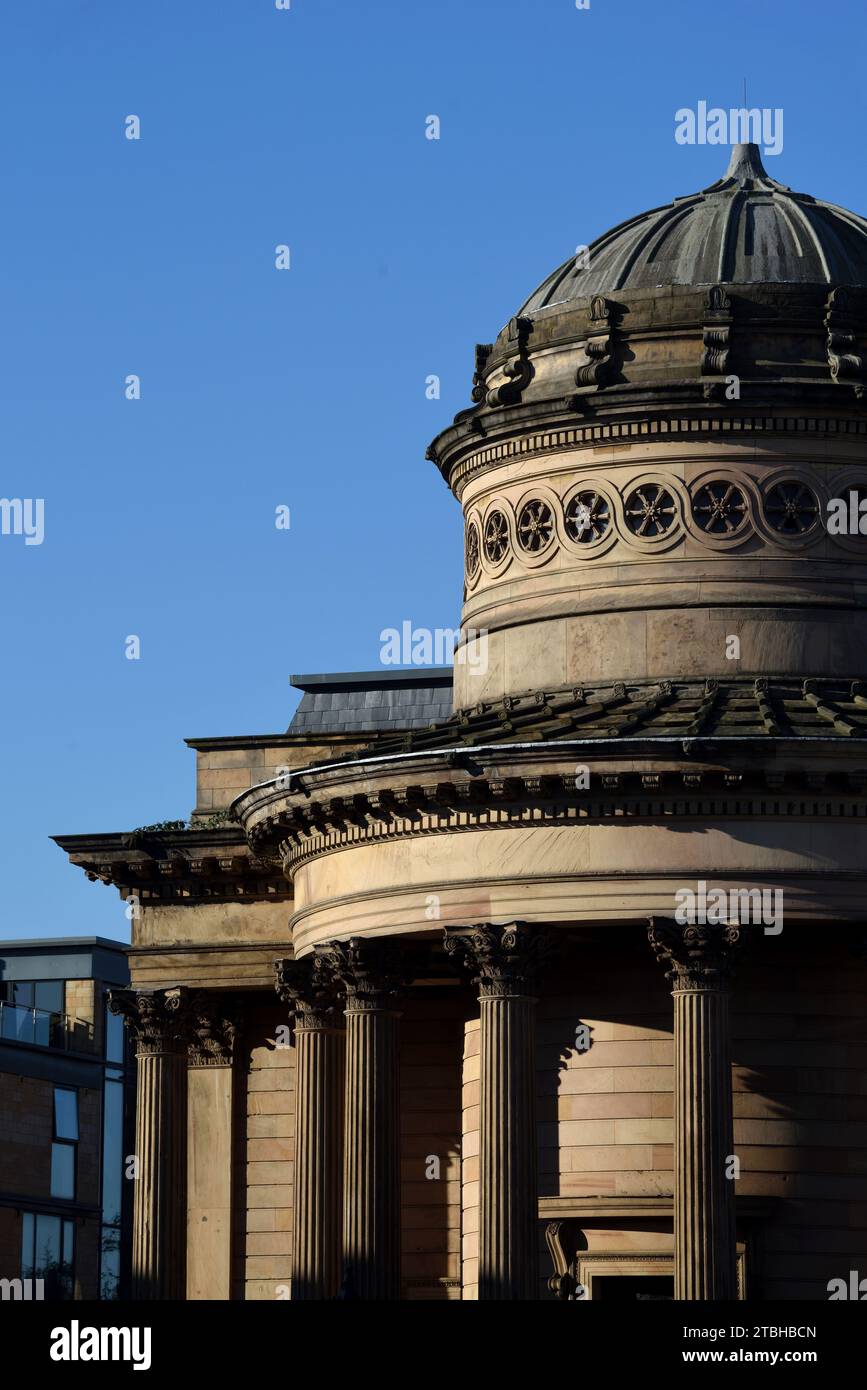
<point>605,1113</point>
<point>799,1044</point>
<point>26,1110</point>
<point>430,1148</point>
<point>430,1081</point>
<point>222,773</point>
<point>269,1159</point>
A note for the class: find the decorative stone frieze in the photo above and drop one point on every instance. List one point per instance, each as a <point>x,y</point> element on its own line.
<point>597,433</point>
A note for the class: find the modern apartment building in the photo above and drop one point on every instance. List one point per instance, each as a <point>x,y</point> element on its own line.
<point>66,1098</point>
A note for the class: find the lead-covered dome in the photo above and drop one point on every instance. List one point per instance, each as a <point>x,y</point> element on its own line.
<point>744,229</point>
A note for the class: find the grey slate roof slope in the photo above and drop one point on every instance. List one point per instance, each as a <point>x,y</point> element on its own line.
<point>372,701</point>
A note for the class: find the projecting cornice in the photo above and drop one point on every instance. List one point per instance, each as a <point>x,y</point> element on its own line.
<point>184,867</point>
<point>572,782</point>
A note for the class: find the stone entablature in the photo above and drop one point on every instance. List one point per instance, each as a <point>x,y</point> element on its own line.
<point>574,779</point>
<point>506,831</point>
<point>521,435</point>
<point>185,867</point>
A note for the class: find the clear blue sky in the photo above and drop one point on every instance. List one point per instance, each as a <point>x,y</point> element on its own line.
<point>304,388</point>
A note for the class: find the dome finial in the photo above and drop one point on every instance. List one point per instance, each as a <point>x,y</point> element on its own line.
<point>746,163</point>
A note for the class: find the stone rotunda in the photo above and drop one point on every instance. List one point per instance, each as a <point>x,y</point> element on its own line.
<point>516,1069</point>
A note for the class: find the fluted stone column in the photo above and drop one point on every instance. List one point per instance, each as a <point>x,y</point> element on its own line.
<point>503,960</point>
<point>158,1022</point>
<point>698,962</point>
<point>319,1069</point>
<point>371,974</point>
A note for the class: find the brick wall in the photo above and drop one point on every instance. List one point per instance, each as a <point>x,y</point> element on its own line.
<point>26,1127</point>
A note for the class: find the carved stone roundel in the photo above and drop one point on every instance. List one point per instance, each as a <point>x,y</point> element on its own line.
<point>535,526</point>
<point>472,549</point>
<point>587,517</point>
<point>496,537</point>
<point>719,508</point>
<point>650,511</point>
<point>791,508</point>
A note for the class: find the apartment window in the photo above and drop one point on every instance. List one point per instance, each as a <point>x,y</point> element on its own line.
<point>114,1038</point>
<point>31,1011</point>
<point>112,1156</point>
<point>65,1142</point>
<point>48,1252</point>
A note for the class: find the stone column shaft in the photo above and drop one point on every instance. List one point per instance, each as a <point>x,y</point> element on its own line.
<point>704,1204</point>
<point>371,1182</point>
<point>159,1203</point>
<point>308,988</point>
<point>316,1235</point>
<point>159,1215</point>
<point>371,975</point>
<point>504,960</point>
<point>698,962</point>
<point>508,1168</point>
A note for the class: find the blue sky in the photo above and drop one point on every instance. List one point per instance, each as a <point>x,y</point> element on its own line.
<point>303,388</point>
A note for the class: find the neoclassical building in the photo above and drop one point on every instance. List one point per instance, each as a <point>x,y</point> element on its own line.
<point>548,982</point>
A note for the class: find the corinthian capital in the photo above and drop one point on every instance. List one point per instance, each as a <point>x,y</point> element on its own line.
<point>308,989</point>
<point>503,960</point>
<point>157,1019</point>
<point>371,973</point>
<point>212,1030</point>
<point>695,957</point>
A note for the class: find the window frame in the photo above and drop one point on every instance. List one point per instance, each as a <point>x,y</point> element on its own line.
<point>59,1141</point>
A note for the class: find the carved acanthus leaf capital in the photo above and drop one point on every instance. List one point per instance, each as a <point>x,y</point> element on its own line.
<point>695,956</point>
<point>309,991</point>
<point>213,1029</point>
<point>157,1019</point>
<point>503,960</point>
<point>371,973</point>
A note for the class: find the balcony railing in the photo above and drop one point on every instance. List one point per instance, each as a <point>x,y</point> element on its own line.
<point>43,1028</point>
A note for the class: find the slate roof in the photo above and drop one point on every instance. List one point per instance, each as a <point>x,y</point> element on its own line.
<point>784,708</point>
<point>744,229</point>
<point>372,701</point>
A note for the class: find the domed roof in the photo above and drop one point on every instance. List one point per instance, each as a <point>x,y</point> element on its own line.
<point>744,229</point>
